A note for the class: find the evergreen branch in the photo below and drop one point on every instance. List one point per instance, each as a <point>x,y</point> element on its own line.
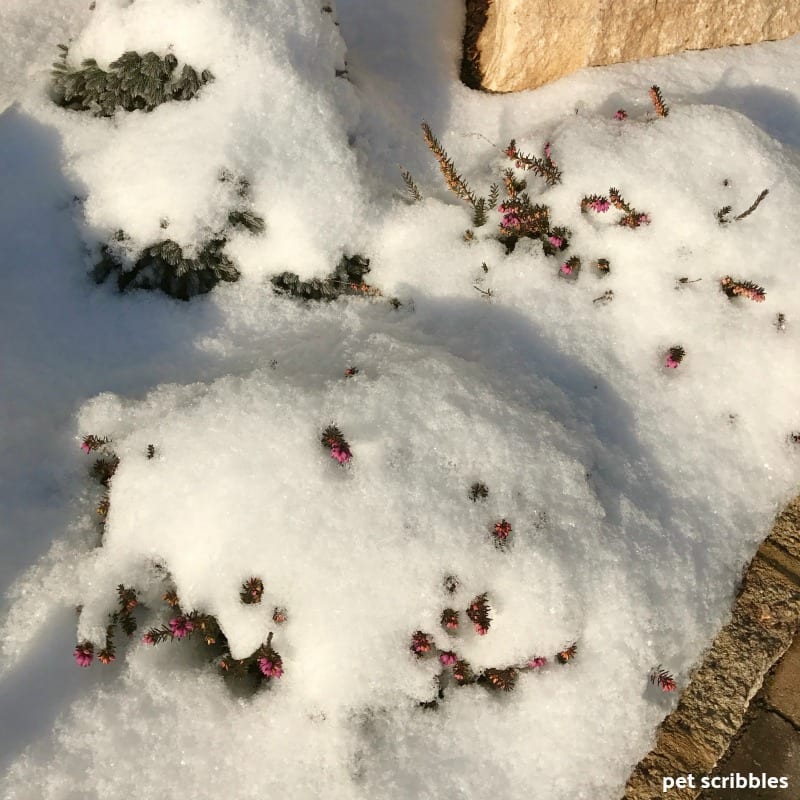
<point>411,187</point>
<point>658,101</point>
<point>452,178</point>
<point>756,204</point>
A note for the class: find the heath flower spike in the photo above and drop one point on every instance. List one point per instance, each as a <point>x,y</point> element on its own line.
<point>181,627</point>
<point>537,662</point>
<point>84,654</point>
<point>450,619</point>
<point>421,643</point>
<point>448,658</point>
<point>734,288</point>
<point>270,668</point>
<point>339,448</point>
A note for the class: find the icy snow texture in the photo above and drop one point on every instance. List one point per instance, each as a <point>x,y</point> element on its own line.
<point>657,484</point>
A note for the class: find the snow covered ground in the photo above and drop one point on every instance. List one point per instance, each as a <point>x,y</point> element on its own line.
<point>636,492</point>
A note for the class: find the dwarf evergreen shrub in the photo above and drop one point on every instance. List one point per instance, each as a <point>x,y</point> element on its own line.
<point>132,82</point>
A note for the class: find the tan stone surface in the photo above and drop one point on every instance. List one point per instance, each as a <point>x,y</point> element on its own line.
<point>527,43</point>
<point>783,690</point>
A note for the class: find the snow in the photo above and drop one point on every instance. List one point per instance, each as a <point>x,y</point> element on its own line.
<point>636,493</point>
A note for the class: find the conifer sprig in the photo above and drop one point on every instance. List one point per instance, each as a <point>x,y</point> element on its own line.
<point>411,187</point>
<point>452,178</point>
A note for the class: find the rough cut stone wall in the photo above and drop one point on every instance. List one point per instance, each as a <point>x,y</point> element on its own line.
<point>511,45</point>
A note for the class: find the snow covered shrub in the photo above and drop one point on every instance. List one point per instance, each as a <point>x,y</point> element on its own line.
<point>132,82</point>
<point>127,601</point>
<point>524,219</point>
<point>457,671</point>
<point>165,266</point>
<point>346,279</point>
<point>262,664</point>
<point>173,269</point>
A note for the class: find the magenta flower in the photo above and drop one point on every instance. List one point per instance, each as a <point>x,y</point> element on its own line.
<point>556,241</point>
<point>86,447</point>
<point>537,661</point>
<point>341,452</point>
<point>84,653</point>
<point>502,529</point>
<point>671,362</point>
<point>181,627</point>
<point>448,658</point>
<point>566,268</point>
<point>621,114</point>
<point>480,629</point>
<point>269,668</point>
<point>643,219</point>
<point>674,357</point>
<point>148,638</point>
<point>421,643</point>
<point>600,204</point>
<point>547,150</point>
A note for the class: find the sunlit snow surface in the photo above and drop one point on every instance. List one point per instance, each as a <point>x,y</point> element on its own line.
<point>636,493</point>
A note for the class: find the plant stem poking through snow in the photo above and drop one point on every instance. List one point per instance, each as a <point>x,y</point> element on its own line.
<point>478,491</point>
<point>455,182</point>
<point>674,357</point>
<point>478,613</point>
<point>663,679</point>
<point>501,531</point>
<point>658,101</point>
<point>734,288</point>
<point>632,218</point>
<point>91,443</point>
<point>339,448</point>
<point>421,643</point>
<point>568,653</point>
<point>252,591</point>
<point>756,204</point>
<point>570,268</point>
<point>544,167</point>
<point>450,619</point>
<point>413,190</point>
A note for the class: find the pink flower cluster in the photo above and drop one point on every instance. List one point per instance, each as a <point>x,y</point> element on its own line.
<point>621,113</point>
<point>556,241</point>
<point>537,662</point>
<point>447,658</point>
<point>340,452</point>
<point>502,529</point>
<point>511,218</point>
<point>270,668</point>
<point>84,653</point>
<point>600,204</point>
<point>181,627</point>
